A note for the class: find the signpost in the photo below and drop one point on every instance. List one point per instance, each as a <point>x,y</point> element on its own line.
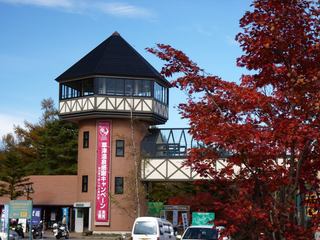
<point>173,213</point>
<point>21,209</point>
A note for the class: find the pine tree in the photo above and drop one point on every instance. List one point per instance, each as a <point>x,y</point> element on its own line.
<point>13,175</point>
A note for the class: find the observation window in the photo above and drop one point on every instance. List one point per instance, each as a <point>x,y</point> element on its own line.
<point>160,93</point>
<point>114,87</point>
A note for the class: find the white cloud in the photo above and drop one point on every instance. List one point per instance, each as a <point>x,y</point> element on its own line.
<point>83,6</point>
<point>7,122</point>
<point>123,9</point>
<point>43,3</point>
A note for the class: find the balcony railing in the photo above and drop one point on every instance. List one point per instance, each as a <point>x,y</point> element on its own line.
<point>168,143</point>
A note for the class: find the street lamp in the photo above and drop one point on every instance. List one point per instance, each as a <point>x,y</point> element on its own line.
<point>28,189</point>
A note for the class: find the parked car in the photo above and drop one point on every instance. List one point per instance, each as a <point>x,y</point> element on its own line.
<point>152,228</point>
<point>200,233</point>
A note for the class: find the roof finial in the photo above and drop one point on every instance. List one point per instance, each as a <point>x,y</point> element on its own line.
<point>115,34</point>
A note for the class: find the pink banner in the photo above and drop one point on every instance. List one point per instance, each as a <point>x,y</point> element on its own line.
<point>102,172</point>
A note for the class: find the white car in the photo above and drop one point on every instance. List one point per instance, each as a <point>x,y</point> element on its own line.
<point>204,232</point>
<point>152,228</point>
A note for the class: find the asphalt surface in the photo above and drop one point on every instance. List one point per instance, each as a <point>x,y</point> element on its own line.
<point>48,235</point>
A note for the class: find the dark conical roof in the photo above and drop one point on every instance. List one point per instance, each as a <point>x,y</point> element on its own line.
<point>113,57</point>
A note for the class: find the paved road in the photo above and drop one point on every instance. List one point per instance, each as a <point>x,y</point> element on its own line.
<point>48,235</point>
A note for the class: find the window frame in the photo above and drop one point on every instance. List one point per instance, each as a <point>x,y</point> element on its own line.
<point>118,185</point>
<point>85,139</point>
<point>120,148</point>
<point>84,184</point>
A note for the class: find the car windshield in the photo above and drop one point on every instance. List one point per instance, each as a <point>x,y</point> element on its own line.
<point>145,227</point>
<point>201,233</point>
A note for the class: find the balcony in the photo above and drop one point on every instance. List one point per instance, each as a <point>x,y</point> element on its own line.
<point>114,106</point>
<point>164,152</point>
<point>102,96</point>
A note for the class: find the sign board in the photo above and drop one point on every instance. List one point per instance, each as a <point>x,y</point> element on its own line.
<point>102,212</point>
<point>82,204</point>
<point>154,209</point>
<point>203,218</point>
<point>185,208</point>
<point>65,213</point>
<point>4,218</point>
<point>36,216</point>
<point>20,209</point>
<point>185,221</point>
<point>175,217</point>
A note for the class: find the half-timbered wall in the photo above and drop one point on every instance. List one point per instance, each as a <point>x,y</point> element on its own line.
<point>165,169</point>
<point>105,103</point>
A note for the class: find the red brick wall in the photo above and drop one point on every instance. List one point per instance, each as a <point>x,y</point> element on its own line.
<point>51,190</point>
<point>122,206</point>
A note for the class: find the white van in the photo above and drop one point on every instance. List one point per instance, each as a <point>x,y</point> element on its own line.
<point>151,228</point>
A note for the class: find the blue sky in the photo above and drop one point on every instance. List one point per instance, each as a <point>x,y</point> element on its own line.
<point>40,39</point>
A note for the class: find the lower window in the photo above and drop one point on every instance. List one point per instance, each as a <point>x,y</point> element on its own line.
<point>118,189</point>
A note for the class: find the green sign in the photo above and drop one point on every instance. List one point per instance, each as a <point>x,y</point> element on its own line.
<point>20,209</point>
<point>202,218</point>
<point>154,208</point>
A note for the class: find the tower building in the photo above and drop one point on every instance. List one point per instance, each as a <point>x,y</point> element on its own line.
<point>114,95</point>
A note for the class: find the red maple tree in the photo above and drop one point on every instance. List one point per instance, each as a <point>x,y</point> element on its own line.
<point>267,127</point>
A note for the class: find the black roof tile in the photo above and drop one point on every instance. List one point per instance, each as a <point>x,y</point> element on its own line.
<point>113,57</point>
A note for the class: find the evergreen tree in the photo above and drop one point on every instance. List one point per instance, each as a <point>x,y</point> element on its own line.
<point>48,147</point>
<point>12,175</point>
<point>51,144</point>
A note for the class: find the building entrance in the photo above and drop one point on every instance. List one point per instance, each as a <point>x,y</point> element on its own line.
<point>82,217</point>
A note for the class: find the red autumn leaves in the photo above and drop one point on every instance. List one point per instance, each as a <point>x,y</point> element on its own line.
<point>268,125</point>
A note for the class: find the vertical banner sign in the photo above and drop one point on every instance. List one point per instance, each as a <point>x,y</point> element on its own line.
<point>102,172</point>
<point>36,216</point>
<point>175,217</point>
<point>4,218</point>
<point>65,212</point>
<point>185,221</point>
